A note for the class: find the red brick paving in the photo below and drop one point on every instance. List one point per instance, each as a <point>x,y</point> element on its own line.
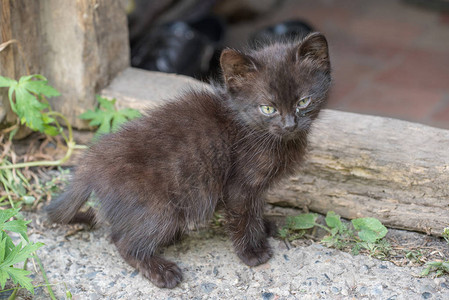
<point>422,69</point>
<point>444,18</point>
<point>393,101</point>
<point>389,57</point>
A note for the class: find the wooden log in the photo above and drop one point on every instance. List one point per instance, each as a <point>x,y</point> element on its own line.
<point>367,166</point>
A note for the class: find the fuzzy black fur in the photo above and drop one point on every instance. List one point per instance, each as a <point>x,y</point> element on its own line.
<point>167,172</point>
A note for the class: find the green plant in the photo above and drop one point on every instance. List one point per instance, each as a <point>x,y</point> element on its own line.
<point>296,226</point>
<point>439,268</point>
<point>30,103</point>
<point>15,186</point>
<point>340,234</point>
<point>367,233</point>
<point>11,254</point>
<point>415,256</point>
<point>107,117</point>
<point>18,190</point>
<point>446,234</point>
<point>27,98</point>
<point>218,219</point>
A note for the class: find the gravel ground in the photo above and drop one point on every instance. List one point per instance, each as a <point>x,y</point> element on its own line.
<point>91,268</point>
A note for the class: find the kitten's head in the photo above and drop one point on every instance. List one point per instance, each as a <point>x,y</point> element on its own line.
<point>280,88</point>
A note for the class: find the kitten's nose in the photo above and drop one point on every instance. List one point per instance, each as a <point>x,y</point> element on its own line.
<point>289,123</point>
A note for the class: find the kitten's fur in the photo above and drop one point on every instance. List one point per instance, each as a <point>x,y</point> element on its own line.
<point>166,172</point>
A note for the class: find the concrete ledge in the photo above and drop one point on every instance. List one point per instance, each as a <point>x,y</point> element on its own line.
<point>142,89</point>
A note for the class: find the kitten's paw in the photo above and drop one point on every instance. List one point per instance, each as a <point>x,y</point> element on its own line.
<point>254,256</point>
<point>270,228</point>
<point>162,273</point>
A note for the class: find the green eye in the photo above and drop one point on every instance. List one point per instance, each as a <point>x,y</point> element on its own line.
<point>267,110</point>
<point>303,103</point>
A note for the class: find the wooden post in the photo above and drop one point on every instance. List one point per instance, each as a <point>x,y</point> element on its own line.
<point>6,60</point>
<point>80,46</point>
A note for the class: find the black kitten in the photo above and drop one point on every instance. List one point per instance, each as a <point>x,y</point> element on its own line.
<point>167,172</point>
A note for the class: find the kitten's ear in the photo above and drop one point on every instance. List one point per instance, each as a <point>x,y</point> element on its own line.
<point>236,65</point>
<point>314,47</point>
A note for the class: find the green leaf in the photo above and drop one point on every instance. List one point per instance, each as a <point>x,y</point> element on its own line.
<point>446,266</point>
<point>329,240</point>
<point>117,121</point>
<point>436,264</point>
<point>40,87</point>
<point>51,130</point>
<point>370,229</point>
<point>9,245</point>
<point>108,105</point>
<point>47,119</point>
<point>11,254</point>
<point>283,233</point>
<point>303,221</point>
<point>2,249</point>
<point>106,117</point>
<point>24,79</point>
<point>29,199</point>
<point>426,271</point>
<point>335,231</point>
<point>3,277</point>
<point>356,249</point>
<point>7,82</point>
<point>19,226</point>
<point>20,276</point>
<point>28,108</point>
<point>6,214</point>
<point>19,254</point>
<point>105,126</point>
<point>333,220</point>
<point>446,234</point>
<point>130,113</point>
<point>88,115</point>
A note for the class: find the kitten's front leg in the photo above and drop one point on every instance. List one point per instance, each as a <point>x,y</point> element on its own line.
<point>270,228</point>
<point>248,230</point>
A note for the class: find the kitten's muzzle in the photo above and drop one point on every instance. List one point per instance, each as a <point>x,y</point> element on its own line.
<point>289,124</point>
<point>289,128</point>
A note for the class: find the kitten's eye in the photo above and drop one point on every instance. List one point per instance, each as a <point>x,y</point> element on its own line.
<point>303,103</point>
<point>267,110</point>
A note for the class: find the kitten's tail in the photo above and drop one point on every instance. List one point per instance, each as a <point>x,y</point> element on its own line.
<point>66,206</point>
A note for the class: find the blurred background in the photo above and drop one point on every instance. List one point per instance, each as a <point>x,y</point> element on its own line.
<point>389,57</point>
